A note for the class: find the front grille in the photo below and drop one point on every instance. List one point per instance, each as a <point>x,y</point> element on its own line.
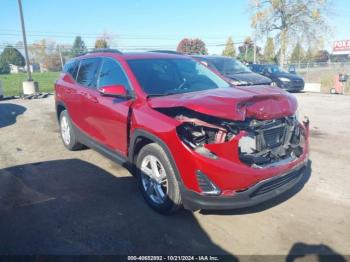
<point>298,83</point>
<point>274,184</point>
<point>274,137</point>
<point>271,136</point>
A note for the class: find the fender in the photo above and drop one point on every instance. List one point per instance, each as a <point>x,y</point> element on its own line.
<point>142,133</point>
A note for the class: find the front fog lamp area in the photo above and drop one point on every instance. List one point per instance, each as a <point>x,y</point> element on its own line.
<point>206,185</point>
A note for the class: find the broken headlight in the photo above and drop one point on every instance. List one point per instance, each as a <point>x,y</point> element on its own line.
<point>197,136</point>
<point>296,115</point>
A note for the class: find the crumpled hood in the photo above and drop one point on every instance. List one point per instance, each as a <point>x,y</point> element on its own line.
<point>262,103</point>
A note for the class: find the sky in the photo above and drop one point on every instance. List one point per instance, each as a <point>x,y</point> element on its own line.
<point>136,24</point>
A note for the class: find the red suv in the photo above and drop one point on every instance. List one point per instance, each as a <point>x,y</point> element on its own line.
<point>193,140</point>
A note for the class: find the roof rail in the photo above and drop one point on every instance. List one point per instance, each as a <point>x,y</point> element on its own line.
<point>166,52</point>
<point>103,50</point>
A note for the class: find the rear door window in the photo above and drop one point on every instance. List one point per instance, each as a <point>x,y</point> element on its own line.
<point>88,71</point>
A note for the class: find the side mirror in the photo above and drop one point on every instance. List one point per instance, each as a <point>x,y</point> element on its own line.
<point>114,91</point>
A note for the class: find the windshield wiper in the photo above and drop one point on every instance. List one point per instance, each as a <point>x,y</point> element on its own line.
<point>163,94</point>
<point>241,72</point>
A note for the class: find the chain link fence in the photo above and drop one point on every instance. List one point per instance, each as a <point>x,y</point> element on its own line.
<point>321,73</point>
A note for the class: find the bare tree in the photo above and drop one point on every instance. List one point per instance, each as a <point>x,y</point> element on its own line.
<point>46,53</point>
<point>290,20</point>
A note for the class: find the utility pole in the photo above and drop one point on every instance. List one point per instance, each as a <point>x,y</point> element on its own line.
<point>24,40</point>
<point>254,52</point>
<point>61,58</point>
<point>29,87</point>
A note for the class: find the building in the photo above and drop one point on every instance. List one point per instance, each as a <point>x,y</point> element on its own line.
<point>14,69</point>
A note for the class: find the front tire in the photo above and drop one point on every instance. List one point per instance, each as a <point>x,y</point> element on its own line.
<point>157,180</point>
<point>68,136</point>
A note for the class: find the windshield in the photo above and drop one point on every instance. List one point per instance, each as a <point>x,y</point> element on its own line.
<point>171,76</point>
<point>275,69</point>
<point>227,66</point>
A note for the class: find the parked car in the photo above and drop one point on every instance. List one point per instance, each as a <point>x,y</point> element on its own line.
<point>236,72</point>
<point>286,80</point>
<point>189,137</point>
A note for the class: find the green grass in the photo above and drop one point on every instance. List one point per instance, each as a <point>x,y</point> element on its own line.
<point>12,83</point>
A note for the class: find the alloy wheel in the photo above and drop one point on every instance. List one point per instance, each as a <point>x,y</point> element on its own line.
<point>154,179</point>
<point>65,130</point>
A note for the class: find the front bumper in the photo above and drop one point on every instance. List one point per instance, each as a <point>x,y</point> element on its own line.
<point>292,85</point>
<point>262,191</point>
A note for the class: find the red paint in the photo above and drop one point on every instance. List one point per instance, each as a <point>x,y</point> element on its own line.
<point>113,90</point>
<point>234,103</point>
<point>107,119</point>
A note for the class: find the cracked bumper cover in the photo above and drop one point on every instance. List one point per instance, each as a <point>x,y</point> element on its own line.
<point>262,191</point>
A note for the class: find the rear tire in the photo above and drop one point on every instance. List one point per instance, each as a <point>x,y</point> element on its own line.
<point>157,180</point>
<point>68,136</point>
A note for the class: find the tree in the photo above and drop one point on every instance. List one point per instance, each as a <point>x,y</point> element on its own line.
<point>310,55</point>
<point>246,51</point>
<point>4,66</point>
<point>101,43</point>
<point>46,53</point>
<point>322,56</point>
<point>298,54</point>
<point>11,55</point>
<point>38,50</point>
<point>277,57</point>
<point>52,62</point>
<point>192,46</point>
<point>230,49</point>
<point>290,18</point>
<point>79,47</point>
<point>269,50</point>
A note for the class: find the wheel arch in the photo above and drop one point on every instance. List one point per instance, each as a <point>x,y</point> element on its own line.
<point>141,138</point>
<point>60,107</point>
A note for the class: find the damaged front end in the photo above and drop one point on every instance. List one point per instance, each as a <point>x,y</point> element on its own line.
<point>256,143</point>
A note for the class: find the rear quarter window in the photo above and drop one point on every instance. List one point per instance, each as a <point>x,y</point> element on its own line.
<point>71,68</point>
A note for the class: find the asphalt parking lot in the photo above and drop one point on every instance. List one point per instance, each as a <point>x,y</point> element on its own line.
<point>53,201</point>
